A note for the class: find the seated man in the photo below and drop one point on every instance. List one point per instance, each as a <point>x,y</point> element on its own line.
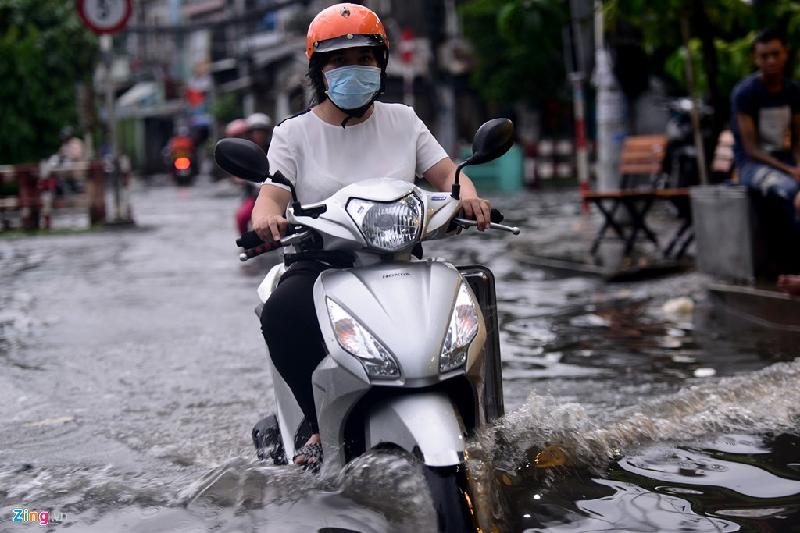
<point>766,124</point>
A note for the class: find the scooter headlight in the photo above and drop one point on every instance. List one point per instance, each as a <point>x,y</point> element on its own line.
<point>462,329</point>
<point>388,226</point>
<point>357,341</point>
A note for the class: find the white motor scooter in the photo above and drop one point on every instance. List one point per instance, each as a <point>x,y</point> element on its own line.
<point>413,358</point>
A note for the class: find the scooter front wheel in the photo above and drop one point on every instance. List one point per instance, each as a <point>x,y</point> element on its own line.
<point>451,498</point>
<point>397,472</point>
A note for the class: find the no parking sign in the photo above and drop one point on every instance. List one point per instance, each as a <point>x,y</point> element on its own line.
<point>104,16</point>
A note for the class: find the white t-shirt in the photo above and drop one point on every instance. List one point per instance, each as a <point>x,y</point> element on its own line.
<point>321,158</point>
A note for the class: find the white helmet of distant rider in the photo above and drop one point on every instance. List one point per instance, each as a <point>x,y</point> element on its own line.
<point>259,128</point>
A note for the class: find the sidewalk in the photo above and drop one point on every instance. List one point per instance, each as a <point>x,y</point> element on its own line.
<point>562,237</point>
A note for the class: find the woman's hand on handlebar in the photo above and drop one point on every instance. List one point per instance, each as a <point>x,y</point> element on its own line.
<point>477,209</point>
<point>270,227</point>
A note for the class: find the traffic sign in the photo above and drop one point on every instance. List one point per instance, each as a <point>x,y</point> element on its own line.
<point>104,16</point>
<point>407,46</point>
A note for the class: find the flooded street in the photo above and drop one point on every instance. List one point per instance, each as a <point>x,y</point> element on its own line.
<point>132,371</point>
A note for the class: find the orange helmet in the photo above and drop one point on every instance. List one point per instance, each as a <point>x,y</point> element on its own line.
<point>344,26</point>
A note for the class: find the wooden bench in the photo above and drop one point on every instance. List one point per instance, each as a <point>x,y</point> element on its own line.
<point>681,200</point>
<point>642,157</point>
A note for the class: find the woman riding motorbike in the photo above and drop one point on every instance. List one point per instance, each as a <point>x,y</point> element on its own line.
<point>345,137</point>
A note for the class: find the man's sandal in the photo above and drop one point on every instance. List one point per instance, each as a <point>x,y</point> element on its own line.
<point>313,454</point>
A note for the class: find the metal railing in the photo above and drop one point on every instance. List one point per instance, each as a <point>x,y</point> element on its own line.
<point>31,195</point>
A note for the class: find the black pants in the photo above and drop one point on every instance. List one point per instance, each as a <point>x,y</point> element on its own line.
<point>290,327</point>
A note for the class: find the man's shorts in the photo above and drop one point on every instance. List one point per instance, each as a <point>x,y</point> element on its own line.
<point>769,180</point>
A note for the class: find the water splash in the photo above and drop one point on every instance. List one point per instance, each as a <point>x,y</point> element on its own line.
<point>386,484</point>
<point>766,400</point>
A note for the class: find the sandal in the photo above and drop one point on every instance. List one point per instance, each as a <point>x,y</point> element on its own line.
<point>313,454</point>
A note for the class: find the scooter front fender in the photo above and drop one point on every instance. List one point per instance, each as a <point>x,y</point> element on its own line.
<point>427,422</point>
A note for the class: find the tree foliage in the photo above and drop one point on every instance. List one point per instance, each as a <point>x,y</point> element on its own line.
<point>44,52</point>
<point>660,19</point>
<point>226,108</point>
<point>734,64</point>
<point>721,34</point>
<point>518,45</point>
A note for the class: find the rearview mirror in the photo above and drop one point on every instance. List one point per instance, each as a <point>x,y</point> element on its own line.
<point>242,158</point>
<point>492,140</point>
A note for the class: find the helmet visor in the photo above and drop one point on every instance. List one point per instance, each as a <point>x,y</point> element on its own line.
<point>349,41</point>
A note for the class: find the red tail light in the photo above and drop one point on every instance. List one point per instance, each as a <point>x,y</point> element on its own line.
<point>182,163</point>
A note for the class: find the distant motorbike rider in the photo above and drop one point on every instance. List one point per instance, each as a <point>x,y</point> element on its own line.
<point>345,137</point>
<point>236,128</point>
<point>180,157</point>
<point>180,145</point>
<point>258,128</point>
<point>72,149</point>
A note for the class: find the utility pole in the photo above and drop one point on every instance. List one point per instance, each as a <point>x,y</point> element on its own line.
<point>445,92</point>
<point>576,78</point>
<point>695,114</point>
<point>107,49</point>
<point>176,18</point>
<point>610,129</point>
<point>248,102</point>
<point>106,19</point>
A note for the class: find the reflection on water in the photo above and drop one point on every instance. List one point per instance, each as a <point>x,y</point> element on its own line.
<point>622,507</point>
<point>665,488</point>
<point>629,408</point>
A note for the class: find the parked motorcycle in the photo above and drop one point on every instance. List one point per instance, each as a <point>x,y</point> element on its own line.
<point>413,364</point>
<point>680,156</point>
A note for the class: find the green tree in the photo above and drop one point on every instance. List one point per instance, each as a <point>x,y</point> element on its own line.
<point>708,21</point>
<point>733,58</point>
<point>44,52</point>
<point>227,107</point>
<point>721,32</point>
<point>518,45</point>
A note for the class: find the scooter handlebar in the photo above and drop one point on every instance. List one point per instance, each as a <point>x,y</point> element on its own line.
<point>496,216</point>
<point>467,223</point>
<point>249,240</point>
<point>254,245</point>
<point>252,240</point>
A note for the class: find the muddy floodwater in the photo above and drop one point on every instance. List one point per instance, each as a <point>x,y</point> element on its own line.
<point>132,371</point>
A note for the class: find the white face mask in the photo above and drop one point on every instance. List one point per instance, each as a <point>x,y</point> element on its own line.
<point>352,87</point>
